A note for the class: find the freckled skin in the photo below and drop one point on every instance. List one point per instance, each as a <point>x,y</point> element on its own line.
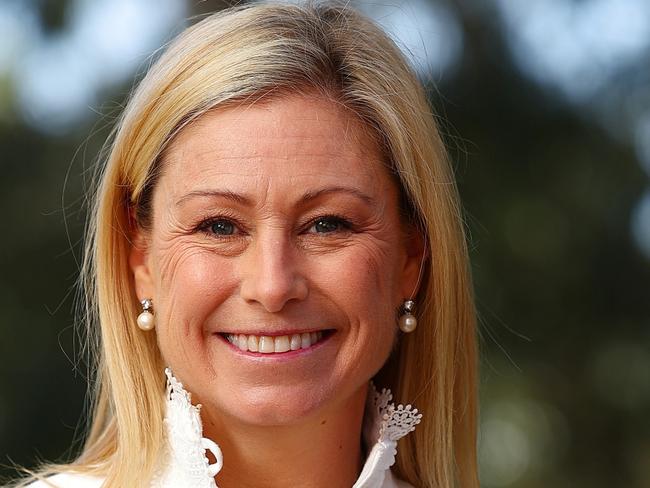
<point>277,269</point>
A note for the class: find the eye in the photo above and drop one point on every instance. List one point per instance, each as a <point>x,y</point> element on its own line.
<point>218,226</point>
<point>221,227</point>
<point>329,224</point>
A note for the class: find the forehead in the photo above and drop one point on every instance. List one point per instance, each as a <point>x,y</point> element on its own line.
<point>296,139</point>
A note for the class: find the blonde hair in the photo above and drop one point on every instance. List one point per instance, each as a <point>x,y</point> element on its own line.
<point>242,54</point>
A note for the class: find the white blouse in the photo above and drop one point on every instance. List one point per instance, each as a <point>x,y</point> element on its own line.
<point>185,465</point>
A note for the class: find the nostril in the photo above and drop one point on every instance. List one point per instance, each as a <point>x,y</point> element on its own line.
<point>273,286</point>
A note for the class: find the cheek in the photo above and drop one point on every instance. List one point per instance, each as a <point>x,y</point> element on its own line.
<point>191,283</point>
<point>363,284</point>
<point>365,277</point>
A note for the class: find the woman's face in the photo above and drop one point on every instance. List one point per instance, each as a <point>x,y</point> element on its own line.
<point>275,228</point>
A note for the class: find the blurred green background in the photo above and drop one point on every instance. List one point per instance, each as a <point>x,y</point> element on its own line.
<point>545,106</point>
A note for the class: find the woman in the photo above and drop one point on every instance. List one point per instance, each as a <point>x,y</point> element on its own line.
<point>277,225</point>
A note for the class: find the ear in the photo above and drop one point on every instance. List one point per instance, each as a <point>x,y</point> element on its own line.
<point>417,252</point>
<point>139,264</point>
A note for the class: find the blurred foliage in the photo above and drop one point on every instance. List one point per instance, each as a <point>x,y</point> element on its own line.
<point>561,288</point>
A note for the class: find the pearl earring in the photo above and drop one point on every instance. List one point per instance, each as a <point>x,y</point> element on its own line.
<point>407,321</point>
<point>146,319</point>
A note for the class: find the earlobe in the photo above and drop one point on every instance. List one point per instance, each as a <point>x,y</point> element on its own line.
<point>139,264</point>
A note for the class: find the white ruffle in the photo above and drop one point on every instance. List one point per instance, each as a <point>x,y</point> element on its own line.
<point>384,425</point>
<point>185,464</point>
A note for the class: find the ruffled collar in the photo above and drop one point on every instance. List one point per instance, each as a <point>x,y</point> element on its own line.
<point>185,462</point>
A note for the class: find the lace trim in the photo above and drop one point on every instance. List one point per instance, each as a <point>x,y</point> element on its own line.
<point>185,462</point>
<point>389,423</point>
<point>385,425</point>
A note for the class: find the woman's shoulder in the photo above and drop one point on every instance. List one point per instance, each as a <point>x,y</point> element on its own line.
<point>74,480</point>
<point>68,480</point>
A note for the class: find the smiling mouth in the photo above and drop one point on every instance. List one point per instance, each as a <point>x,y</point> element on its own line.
<point>277,344</point>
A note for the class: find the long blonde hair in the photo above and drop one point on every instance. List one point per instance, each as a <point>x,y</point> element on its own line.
<point>239,55</point>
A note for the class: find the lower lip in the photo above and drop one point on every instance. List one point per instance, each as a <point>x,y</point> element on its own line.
<point>278,356</point>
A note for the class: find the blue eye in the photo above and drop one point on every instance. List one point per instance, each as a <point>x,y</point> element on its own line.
<point>326,225</point>
<point>226,226</point>
<point>222,227</point>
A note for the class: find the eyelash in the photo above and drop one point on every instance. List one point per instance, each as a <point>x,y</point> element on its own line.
<point>205,224</point>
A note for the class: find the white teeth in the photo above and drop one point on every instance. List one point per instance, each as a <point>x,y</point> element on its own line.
<point>266,344</point>
<point>282,344</point>
<point>276,344</point>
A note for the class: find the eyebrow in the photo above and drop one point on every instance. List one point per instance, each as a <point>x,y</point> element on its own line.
<point>246,200</point>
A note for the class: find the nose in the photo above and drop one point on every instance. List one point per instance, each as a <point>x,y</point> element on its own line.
<point>269,273</point>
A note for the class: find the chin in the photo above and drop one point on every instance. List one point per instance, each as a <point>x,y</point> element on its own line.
<point>276,405</point>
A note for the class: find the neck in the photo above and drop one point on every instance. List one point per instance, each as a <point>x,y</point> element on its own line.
<point>298,455</point>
